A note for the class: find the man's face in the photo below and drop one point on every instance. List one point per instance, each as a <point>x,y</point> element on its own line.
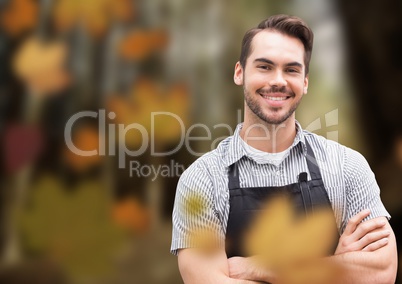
<point>273,78</point>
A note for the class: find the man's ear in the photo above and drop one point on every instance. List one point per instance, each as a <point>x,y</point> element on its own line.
<point>305,85</point>
<point>238,74</point>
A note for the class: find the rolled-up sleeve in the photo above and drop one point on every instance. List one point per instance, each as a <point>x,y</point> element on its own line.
<point>362,190</point>
<point>194,210</point>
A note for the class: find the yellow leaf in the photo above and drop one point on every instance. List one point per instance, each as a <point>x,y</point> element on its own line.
<point>41,65</point>
<point>93,15</point>
<point>270,231</point>
<point>146,97</point>
<point>195,205</point>
<point>283,243</point>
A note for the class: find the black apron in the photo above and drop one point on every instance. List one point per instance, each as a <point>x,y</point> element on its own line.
<point>245,202</point>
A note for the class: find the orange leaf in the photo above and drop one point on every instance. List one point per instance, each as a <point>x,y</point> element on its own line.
<point>132,215</point>
<point>136,46</point>
<point>141,44</point>
<point>85,139</point>
<point>159,39</point>
<point>19,16</point>
<point>93,15</point>
<point>122,10</point>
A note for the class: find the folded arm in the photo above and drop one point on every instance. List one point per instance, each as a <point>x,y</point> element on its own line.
<point>197,266</point>
<point>367,249</point>
<point>366,253</point>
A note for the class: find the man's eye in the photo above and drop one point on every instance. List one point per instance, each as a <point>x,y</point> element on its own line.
<point>264,67</point>
<point>292,70</point>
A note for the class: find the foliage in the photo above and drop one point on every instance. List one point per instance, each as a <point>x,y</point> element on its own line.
<point>74,227</point>
<point>41,65</point>
<point>19,16</point>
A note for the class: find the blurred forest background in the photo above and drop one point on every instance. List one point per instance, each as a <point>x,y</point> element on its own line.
<point>68,218</point>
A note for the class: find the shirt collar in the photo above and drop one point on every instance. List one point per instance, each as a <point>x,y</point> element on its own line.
<point>236,150</point>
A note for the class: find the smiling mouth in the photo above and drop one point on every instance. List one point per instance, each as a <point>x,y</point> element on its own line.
<point>275,98</point>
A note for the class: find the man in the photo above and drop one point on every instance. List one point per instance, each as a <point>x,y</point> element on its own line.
<point>269,152</point>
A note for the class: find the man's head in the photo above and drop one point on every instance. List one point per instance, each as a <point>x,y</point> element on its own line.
<point>288,25</point>
<point>273,69</point>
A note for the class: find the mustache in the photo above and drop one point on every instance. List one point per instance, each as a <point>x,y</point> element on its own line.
<point>275,89</point>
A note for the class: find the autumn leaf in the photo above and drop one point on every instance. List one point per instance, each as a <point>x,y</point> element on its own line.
<point>313,237</point>
<point>149,97</point>
<point>93,15</point>
<point>130,214</point>
<point>19,16</point>
<point>121,10</point>
<point>40,65</point>
<point>311,272</point>
<point>140,44</point>
<point>205,239</point>
<point>85,139</point>
<point>290,246</point>
<point>195,205</point>
<point>73,227</point>
<point>22,146</point>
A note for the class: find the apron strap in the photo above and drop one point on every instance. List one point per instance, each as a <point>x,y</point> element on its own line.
<point>305,193</point>
<point>313,168</point>
<point>233,177</point>
<point>312,165</point>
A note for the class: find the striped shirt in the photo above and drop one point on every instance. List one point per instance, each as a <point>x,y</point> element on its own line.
<point>347,177</point>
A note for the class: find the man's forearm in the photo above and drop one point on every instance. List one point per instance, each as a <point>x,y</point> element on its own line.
<point>213,277</point>
<point>197,267</point>
<point>356,268</point>
<point>377,266</point>
<point>216,279</point>
<point>250,268</point>
<point>365,268</point>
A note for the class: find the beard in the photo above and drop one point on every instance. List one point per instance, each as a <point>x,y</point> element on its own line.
<point>255,106</point>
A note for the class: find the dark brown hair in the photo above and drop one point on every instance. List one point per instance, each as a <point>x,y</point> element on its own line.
<point>285,24</point>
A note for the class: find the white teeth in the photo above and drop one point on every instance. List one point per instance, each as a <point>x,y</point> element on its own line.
<point>275,98</point>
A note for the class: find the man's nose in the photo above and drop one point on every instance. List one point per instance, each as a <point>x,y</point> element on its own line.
<point>278,79</point>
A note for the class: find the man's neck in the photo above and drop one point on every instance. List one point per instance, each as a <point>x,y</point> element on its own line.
<point>271,138</point>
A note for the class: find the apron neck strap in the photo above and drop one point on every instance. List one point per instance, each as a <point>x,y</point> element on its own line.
<point>313,168</point>
<point>312,163</point>
<point>234,176</point>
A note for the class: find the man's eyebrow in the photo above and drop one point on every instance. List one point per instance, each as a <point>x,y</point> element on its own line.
<point>295,64</point>
<point>265,60</point>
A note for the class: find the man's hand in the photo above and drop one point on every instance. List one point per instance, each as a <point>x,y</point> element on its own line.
<point>200,267</point>
<point>367,236</point>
